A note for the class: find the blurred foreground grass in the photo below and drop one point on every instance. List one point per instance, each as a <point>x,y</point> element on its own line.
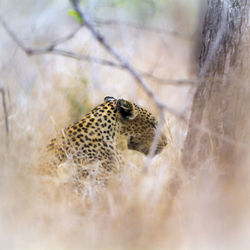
<point>167,208</point>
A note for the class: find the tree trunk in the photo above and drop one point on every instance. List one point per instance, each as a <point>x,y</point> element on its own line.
<point>218,126</point>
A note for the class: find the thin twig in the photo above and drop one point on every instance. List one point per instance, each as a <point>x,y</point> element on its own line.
<point>176,82</point>
<point>66,38</point>
<point>109,63</point>
<point>5,110</point>
<point>157,30</point>
<point>47,49</point>
<point>155,141</point>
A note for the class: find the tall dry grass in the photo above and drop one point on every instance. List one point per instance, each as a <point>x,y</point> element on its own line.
<point>166,208</point>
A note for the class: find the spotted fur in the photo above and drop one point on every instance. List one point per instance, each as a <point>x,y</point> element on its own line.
<point>102,134</point>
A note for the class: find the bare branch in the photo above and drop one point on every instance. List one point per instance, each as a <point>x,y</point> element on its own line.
<point>109,63</point>
<point>155,141</point>
<point>66,38</point>
<point>46,49</point>
<point>2,91</point>
<point>157,30</point>
<point>170,81</point>
<point>126,65</point>
<point>51,49</point>
<point>13,35</point>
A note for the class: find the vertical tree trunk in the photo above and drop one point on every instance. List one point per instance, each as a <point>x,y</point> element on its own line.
<point>221,102</point>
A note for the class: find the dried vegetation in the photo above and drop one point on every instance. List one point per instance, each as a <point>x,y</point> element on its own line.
<point>166,208</point>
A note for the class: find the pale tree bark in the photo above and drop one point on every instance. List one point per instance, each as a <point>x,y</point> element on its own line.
<point>221,103</point>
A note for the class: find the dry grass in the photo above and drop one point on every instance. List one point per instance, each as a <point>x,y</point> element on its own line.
<point>167,208</point>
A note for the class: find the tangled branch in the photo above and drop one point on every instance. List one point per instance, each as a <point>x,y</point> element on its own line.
<point>52,49</point>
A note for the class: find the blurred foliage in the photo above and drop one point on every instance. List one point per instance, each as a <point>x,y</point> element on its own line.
<point>78,100</point>
<point>178,14</point>
<point>76,15</point>
<point>141,10</point>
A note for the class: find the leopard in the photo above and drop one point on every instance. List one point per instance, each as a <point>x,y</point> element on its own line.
<point>102,135</point>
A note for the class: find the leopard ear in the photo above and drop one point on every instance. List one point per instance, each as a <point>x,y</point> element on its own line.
<point>109,98</point>
<point>126,109</point>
